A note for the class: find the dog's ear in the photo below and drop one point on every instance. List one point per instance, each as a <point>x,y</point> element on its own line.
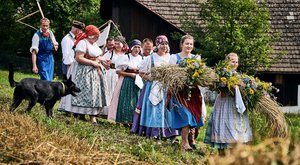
<point>65,77</point>
<point>70,78</point>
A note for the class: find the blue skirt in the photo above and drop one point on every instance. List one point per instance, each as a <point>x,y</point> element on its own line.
<point>154,115</point>
<point>149,132</point>
<point>181,116</point>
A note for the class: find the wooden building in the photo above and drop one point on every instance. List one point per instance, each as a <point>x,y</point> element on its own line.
<point>149,18</point>
<point>285,75</point>
<point>138,20</point>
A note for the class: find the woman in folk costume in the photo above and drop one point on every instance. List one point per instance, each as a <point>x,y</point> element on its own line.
<point>186,114</point>
<point>147,50</point>
<point>127,67</point>
<point>228,122</point>
<point>117,52</point>
<point>89,77</point>
<point>155,119</point>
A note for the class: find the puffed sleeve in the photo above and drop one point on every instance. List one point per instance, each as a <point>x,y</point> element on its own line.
<point>81,47</point>
<point>35,43</point>
<point>122,63</point>
<point>173,59</point>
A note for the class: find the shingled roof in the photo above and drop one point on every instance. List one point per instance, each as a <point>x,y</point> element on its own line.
<point>172,10</point>
<point>285,19</point>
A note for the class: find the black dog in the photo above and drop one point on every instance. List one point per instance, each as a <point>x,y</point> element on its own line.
<point>41,91</point>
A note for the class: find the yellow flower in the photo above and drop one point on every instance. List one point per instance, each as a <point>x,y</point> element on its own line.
<point>202,63</point>
<point>265,86</point>
<point>251,91</point>
<point>200,71</point>
<point>223,79</point>
<point>228,67</point>
<point>196,74</point>
<point>191,66</point>
<point>232,82</point>
<point>190,61</point>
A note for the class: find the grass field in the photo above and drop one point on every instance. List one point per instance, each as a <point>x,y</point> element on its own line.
<point>34,138</point>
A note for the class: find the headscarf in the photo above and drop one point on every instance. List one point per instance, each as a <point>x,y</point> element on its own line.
<point>134,43</point>
<point>90,32</point>
<point>160,39</point>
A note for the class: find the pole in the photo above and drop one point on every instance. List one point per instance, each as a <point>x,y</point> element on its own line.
<point>37,1</point>
<point>28,15</point>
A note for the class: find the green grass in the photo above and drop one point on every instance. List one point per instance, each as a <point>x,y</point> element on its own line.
<point>111,138</point>
<point>294,123</point>
<point>114,138</point>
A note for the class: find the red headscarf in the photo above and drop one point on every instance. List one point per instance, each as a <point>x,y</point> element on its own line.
<point>90,30</point>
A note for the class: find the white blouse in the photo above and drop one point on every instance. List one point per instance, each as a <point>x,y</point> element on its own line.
<point>86,47</point>
<point>115,57</point>
<point>158,60</point>
<point>131,62</point>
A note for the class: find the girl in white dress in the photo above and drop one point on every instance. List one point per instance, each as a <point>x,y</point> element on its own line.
<point>111,75</point>
<point>127,68</point>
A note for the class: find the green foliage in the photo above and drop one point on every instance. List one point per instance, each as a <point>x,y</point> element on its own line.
<point>260,127</point>
<point>60,12</point>
<point>294,122</point>
<point>240,26</point>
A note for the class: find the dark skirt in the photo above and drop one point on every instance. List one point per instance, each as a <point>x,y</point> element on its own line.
<point>127,101</point>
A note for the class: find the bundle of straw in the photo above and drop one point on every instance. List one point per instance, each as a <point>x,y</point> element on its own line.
<point>175,78</point>
<point>276,120</point>
<point>172,76</point>
<point>208,78</point>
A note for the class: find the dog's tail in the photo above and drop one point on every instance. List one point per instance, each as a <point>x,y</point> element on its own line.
<point>11,76</point>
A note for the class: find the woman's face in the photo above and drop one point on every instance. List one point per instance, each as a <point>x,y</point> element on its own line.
<point>187,45</point>
<point>234,62</point>
<point>163,48</point>
<point>45,26</point>
<point>118,45</point>
<point>136,50</point>
<point>93,39</point>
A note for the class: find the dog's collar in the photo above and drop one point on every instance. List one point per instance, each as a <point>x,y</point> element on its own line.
<point>64,88</point>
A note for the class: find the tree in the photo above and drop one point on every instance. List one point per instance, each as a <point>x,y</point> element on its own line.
<point>16,36</point>
<point>240,26</point>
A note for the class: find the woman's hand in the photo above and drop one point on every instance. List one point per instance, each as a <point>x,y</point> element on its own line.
<point>35,69</point>
<point>107,64</point>
<point>145,77</point>
<point>94,63</point>
<point>132,75</point>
